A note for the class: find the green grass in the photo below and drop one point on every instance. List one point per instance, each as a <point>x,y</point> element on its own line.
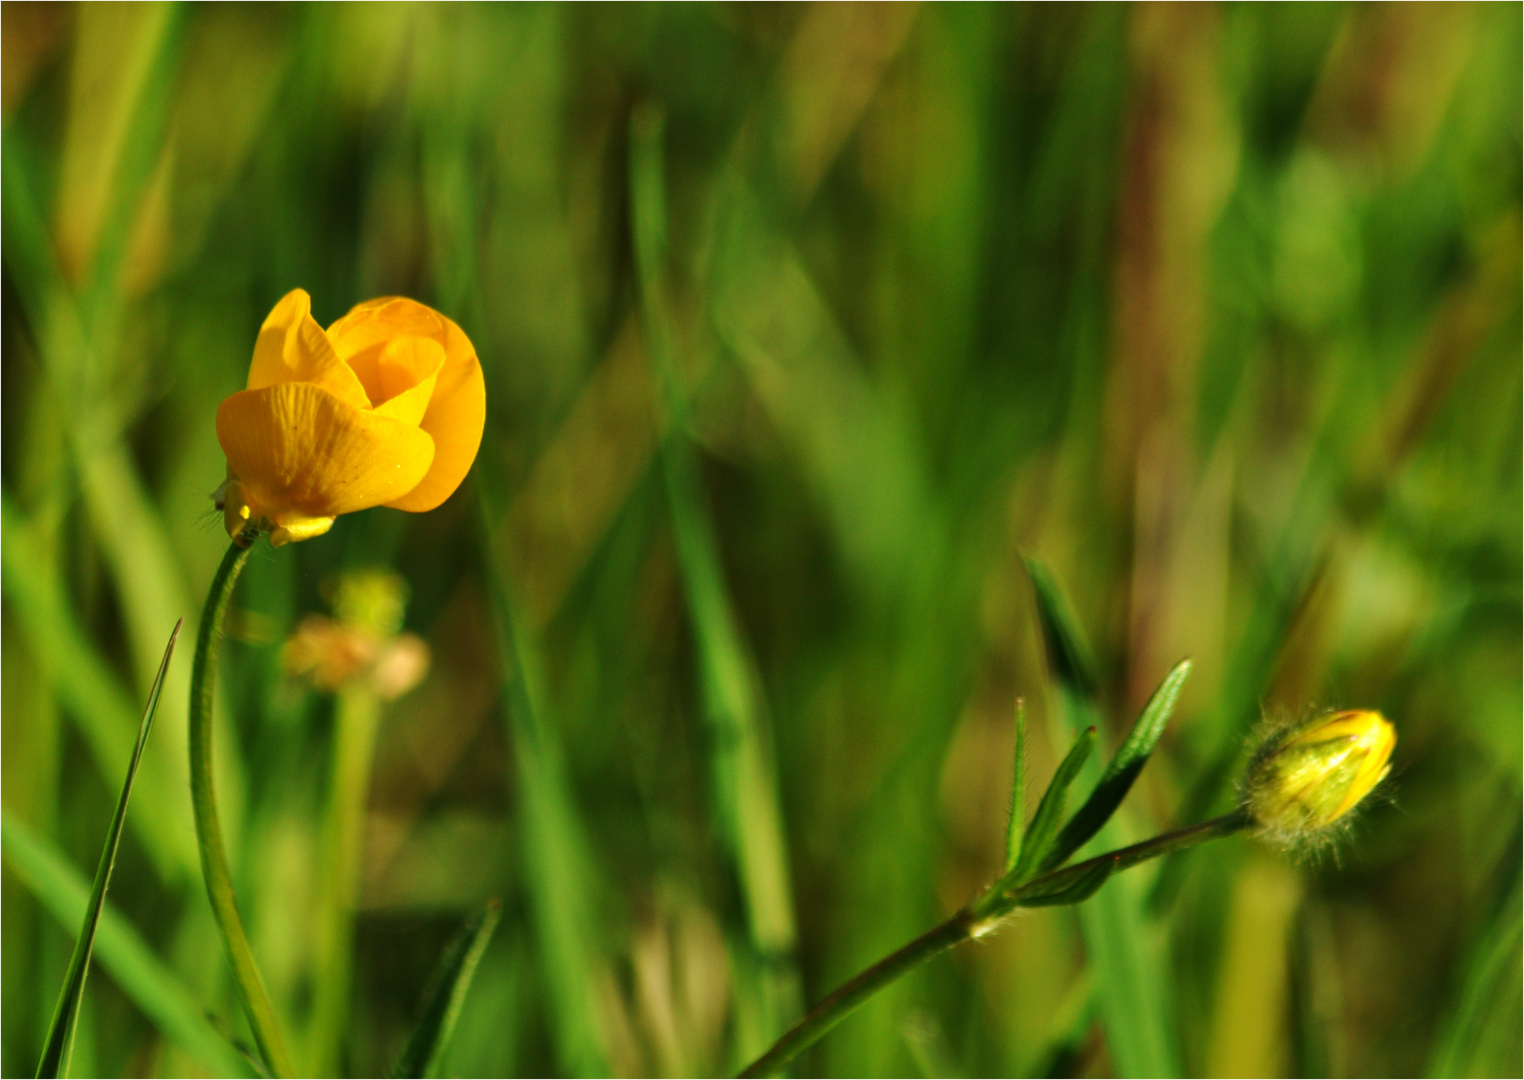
<point>1213,311</point>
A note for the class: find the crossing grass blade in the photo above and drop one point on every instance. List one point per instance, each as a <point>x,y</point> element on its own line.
<point>1050,811</point>
<point>447,994</point>
<point>55,1052</point>
<point>1123,770</point>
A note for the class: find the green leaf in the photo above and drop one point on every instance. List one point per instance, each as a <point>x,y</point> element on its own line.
<point>1123,770</point>
<point>60,1040</point>
<point>1013,827</point>
<point>1067,654</point>
<point>1050,811</point>
<point>132,965</point>
<point>1067,888</point>
<point>447,993</point>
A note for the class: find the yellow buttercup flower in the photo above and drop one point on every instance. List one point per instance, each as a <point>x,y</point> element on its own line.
<point>1306,780</point>
<point>384,408</point>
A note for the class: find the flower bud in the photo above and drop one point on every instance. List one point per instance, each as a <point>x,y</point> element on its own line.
<point>1304,780</point>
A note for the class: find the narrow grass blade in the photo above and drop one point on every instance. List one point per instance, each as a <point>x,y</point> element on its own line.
<point>1050,811</point>
<point>55,1052</point>
<point>447,993</point>
<point>127,958</point>
<point>1118,778</point>
<point>1068,655</point>
<point>1015,826</point>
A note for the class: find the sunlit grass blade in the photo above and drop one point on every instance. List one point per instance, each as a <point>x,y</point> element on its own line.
<point>1015,825</point>
<point>55,1053</point>
<point>447,993</point>
<point>1125,765</point>
<point>138,155</point>
<point>126,957</point>
<point>1050,810</point>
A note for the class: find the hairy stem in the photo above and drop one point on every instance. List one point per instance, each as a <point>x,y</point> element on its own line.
<point>214,860</point>
<point>975,920</point>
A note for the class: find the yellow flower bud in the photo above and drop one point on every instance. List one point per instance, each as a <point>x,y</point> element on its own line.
<point>384,408</point>
<point>1302,782</point>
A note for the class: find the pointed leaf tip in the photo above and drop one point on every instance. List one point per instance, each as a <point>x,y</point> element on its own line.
<point>1068,655</point>
<point>446,994</point>
<point>60,1038</point>
<point>1124,768</point>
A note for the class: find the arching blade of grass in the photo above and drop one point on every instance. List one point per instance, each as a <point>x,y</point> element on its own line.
<point>55,1052</point>
<point>1129,978</point>
<point>447,993</point>
<point>132,965</point>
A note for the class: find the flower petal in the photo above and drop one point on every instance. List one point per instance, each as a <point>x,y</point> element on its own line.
<point>295,447</point>
<point>361,336</point>
<point>377,321</point>
<point>456,415</point>
<point>292,348</point>
<point>407,371</point>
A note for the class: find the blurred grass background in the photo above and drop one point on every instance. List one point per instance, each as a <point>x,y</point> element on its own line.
<point>1214,309</point>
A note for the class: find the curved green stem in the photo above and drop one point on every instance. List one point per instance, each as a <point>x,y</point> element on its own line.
<point>214,860</point>
<point>834,1009</point>
<point>976,920</point>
